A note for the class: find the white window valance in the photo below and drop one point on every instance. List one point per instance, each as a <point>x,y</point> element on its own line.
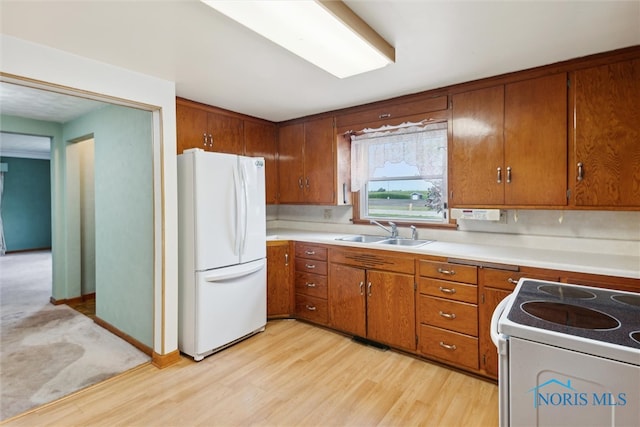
<point>420,149</point>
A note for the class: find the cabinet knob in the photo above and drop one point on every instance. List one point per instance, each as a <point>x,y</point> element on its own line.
<point>286,259</point>
<point>361,288</point>
<point>508,174</point>
<point>369,289</point>
<point>499,177</point>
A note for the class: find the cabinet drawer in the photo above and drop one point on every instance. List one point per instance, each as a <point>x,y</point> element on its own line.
<point>450,290</point>
<point>451,346</point>
<point>456,316</point>
<point>311,266</point>
<point>308,251</point>
<point>310,284</point>
<point>449,271</point>
<point>312,308</point>
<point>507,280</point>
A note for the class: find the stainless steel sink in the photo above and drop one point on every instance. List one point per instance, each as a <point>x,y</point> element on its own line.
<point>404,242</point>
<point>362,238</point>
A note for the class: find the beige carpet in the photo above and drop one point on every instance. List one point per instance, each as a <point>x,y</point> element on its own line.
<point>47,351</point>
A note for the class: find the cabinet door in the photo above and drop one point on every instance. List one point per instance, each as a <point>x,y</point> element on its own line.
<point>260,141</point>
<point>391,314</point>
<point>290,163</point>
<point>191,128</point>
<point>346,299</point>
<point>535,146</point>
<point>606,135</point>
<point>477,148</point>
<point>319,161</point>
<point>226,135</point>
<point>488,351</point>
<point>278,280</point>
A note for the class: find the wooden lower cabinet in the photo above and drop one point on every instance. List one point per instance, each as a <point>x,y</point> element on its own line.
<point>494,285</point>
<point>370,303</point>
<point>443,344</point>
<point>279,289</point>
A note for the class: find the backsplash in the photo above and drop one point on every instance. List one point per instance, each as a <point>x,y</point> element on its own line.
<point>611,232</point>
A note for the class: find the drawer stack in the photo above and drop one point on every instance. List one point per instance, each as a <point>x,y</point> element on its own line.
<point>311,283</point>
<point>447,312</point>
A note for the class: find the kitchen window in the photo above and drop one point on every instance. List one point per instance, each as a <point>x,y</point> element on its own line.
<point>401,173</point>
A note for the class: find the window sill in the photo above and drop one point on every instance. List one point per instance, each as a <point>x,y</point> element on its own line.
<point>440,226</point>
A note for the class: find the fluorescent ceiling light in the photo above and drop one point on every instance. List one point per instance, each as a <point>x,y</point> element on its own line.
<point>326,33</point>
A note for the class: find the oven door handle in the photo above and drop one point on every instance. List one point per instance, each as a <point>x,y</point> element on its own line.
<point>496,336</point>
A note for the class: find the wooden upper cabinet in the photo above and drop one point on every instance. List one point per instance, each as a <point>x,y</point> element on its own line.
<point>319,161</point>
<point>260,140</point>
<point>291,163</point>
<point>191,128</point>
<point>535,142</point>
<point>509,145</point>
<point>476,157</point>
<point>309,163</point>
<point>225,133</point>
<point>605,141</point>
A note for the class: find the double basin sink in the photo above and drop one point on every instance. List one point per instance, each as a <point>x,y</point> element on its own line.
<point>395,241</point>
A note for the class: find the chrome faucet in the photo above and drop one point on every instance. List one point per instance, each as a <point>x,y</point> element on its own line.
<point>393,231</point>
<point>414,232</point>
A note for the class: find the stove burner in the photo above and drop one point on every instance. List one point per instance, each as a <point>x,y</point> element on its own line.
<point>566,292</point>
<point>627,299</point>
<point>635,336</point>
<point>570,315</point>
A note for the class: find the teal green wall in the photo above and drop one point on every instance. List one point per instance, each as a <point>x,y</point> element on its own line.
<point>26,204</point>
<point>123,215</point>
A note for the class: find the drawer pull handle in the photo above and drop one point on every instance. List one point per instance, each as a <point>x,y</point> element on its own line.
<point>361,288</point>
<point>512,281</point>
<point>310,266</point>
<point>311,307</point>
<point>448,346</point>
<point>384,116</point>
<point>369,289</point>
<point>310,285</point>
<point>449,272</point>
<point>447,315</point>
<point>286,259</point>
<point>447,290</point>
<point>310,252</point>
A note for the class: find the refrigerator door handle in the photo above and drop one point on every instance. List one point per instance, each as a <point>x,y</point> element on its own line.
<point>236,215</point>
<point>245,208</point>
<point>231,273</point>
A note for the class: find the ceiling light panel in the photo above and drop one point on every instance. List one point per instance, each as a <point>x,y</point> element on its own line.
<point>327,34</point>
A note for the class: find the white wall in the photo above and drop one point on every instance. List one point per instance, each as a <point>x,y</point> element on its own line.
<point>56,69</point>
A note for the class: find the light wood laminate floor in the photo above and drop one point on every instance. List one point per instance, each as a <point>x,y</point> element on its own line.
<point>293,374</point>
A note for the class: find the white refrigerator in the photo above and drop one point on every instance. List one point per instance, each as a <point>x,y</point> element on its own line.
<point>222,250</point>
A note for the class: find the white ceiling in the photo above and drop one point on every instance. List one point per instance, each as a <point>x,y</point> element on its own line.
<point>215,61</point>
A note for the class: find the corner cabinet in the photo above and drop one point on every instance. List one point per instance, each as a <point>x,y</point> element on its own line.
<point>372,295</point>
<point>605,139</point>
<point>509,145</point>
<point>311,164</point>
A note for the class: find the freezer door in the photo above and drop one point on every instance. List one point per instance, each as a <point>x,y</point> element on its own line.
<point>230,304</point>
<point>252,215</point>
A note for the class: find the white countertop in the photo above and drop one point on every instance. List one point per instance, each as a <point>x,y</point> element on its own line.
<point>592,263</point>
